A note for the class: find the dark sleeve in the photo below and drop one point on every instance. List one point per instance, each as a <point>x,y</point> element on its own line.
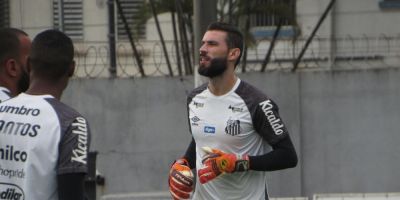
<point>74,147</point>
<point>190,154</point>
<point>71,186</point>
<point>268,123</point>
<point>282,156</point>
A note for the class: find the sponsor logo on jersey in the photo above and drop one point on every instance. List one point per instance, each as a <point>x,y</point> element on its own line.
<point>274,121</point>
<point>11,173</point>
<point>198,105</point>
<point>235,109</point>
<point>11,192</point>
<point>20,110</point>
<point>79,127</point>
<point>19,128</point>
<point>209,129</point>
<point>11,154</point>
<point>232,127</point>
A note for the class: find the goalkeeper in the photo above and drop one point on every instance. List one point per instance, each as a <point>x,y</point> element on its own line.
<point>237,133</point>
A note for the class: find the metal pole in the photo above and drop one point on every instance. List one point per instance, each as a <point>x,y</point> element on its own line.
<point>161,37</point>
<point>297,61</point>
<point>132,42</point>
<point>184,40</point>
<point>271,46</point>
<point>204,12</point>
<point>332,36</point>
<point>178,57</point>
<point>230,8</point>
<point>61,15</point>
<point>111,39</point>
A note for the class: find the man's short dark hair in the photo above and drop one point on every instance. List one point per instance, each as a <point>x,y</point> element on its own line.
<point>9,43</point>
<point>52,53</point>
<point>234,37</point>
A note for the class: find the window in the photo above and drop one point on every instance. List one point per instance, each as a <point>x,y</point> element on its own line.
<point>68,17</point>
<point>389,4</point>
<point>130,8</point>
<point>4,13</point>
<point>265,20</point>
<point>271,11</point>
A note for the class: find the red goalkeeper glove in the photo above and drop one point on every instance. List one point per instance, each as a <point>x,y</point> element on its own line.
<point>181,180</point>
<point>217,162</point>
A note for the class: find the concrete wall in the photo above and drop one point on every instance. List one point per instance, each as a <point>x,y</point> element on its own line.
<point>344,124</point>
<point>350,129</point>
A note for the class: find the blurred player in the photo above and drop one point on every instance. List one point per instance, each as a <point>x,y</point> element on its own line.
<point>44,143</point>
<point>237,132</point>
<point>14,50</point>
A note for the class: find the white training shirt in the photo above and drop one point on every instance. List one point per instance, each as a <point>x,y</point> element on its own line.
<point>243,121</point>
<point>40,138</point>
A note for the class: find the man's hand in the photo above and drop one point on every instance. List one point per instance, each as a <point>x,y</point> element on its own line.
<point>181,180</point>
<point>217,162</point>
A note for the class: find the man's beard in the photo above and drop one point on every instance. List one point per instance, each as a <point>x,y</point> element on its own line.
<point>23,82</point>
<point>216,68</point>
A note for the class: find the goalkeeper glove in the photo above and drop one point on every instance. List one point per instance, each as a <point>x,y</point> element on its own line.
<point>181,180</point>
<point>217,162</point>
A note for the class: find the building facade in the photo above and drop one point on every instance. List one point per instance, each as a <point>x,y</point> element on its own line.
<point>354,33</point>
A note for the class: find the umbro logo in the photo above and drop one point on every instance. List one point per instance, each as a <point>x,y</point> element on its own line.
<point>195,119</point>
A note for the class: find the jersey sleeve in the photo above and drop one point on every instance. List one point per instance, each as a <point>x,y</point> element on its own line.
<point>268,122</point>
<point>74,147</point>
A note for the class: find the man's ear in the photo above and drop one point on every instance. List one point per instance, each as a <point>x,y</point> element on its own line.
<point>234,54</point>
<point>11,67</point>
<point>71,69</point>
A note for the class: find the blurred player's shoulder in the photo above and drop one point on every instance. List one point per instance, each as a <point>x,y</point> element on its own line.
<point>198,90</point>
<point>248,92</point>
<point>63,110</point>
<point>4,94</point>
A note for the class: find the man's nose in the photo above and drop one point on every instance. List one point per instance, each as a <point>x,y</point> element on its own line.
<point>203,48</point>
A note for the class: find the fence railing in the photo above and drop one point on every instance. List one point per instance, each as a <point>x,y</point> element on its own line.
<point>92,58</point>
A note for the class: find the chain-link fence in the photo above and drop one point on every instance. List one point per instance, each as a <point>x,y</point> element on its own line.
<point>347,52</point>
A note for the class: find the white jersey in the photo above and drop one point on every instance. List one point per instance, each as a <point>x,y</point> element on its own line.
<point>40,138</point>
<point>4,94</point>
<point>243,121</point>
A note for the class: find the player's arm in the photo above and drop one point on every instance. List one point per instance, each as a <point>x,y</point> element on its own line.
<point>71,186</point>
<point>282,156</point>
<point>73,159</point>
<point>270,126</point>
<point>181,178</point>
<point>217,162</point>
<point>190,154</point>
